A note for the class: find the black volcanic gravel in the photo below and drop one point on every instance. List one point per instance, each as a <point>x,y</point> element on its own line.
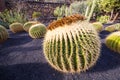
<point>21,58</point>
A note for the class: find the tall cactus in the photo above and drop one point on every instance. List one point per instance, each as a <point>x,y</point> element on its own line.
<point>3,34</point>
<point>37,30</point>
<point>113,41</point>
<point>16,27</point>
<point>71,44</point>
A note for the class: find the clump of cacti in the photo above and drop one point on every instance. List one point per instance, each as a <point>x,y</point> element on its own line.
<point>71,44</point>
<point>98,26</point>
<point>16,27</point>
<point>113,41</point>
<point>27,25</point>
<point>114,27</point>
<point>37,30</point>
<point>3,34</point>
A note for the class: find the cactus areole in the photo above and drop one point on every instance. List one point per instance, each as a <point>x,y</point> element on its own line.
<point>71,44</point>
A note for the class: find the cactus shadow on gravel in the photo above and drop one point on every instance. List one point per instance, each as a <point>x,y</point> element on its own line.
<point>29,71</point>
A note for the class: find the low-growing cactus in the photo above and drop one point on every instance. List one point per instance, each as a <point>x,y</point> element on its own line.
<point>114,27</point>
<point>71,45</point>
<point>3,34</point>
<point>98,26</point>
<point>113,41</point>
<point>16,27</point>
<point>37,30</point>
<point>27,25</point>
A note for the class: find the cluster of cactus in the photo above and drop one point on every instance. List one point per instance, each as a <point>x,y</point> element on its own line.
<point>37,30</point>
<point>98,26</point>
<point>3,34</point>
<point>113,41</point>
<point>71,44</point>
<point>112,28</point>
<point>28,24</point>
<point>16,27</point>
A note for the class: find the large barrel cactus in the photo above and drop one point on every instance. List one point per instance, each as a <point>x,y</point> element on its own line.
<point>113,41</point>
<point>37,30</point>
<point>3,34</point>
<point>27,25</point>
<point>98,26</point>
<point>16,27</point>
<point>71,45</point>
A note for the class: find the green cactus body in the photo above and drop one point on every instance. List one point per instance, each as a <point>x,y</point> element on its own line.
<point>98,26</point>
<point>71,45</point>
<point>27,25</point>
<point>37,30</point>
<point>110,28</point>
<point>113,41</point>
<point>3,34</point>
<point>16,27</point>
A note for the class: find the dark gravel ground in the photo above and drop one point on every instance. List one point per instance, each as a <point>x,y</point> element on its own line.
<point>21,58</point>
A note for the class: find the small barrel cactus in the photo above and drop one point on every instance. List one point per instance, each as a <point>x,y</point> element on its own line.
<point>71,44</point>
<point>16,27</point>
<point>27,25</point>
<point>98,26</point>
<point>113,41</point>
<point>114,27</point>
<point>3,34</point>
<point>37,30</point>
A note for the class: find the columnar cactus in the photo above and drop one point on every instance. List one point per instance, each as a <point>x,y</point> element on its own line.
<point>37,30</point>
<point>113,41</point>
<point>16,27</point>
<point>98,26</point>
<point>27,25</point>
<point>71,44</point>
<point>3,34</point>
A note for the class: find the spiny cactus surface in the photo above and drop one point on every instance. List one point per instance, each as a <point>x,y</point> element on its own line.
<point>27,25</point>
<point>16,27</point>
<point>3,34</point>
<point>113,41</point>
<point>71,45</point>
<point>37,30</point>
<point>98,26</point>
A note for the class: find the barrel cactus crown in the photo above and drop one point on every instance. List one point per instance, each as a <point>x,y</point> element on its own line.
<point>3,34</point>
<point>27,25</point>
<point>98,26</point>
<point>113,41</point>
<point>71,45</point>
<point>37,30</point>
<point>16,27</point>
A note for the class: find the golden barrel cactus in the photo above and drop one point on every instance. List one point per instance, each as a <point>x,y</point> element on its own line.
<point>71,44</point>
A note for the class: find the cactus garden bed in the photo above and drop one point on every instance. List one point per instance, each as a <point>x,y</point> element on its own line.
<point>21,58</point>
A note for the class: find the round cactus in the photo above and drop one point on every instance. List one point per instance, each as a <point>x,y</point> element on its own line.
<point>113,41</point>
<point>3,34</point>
<point>110,28</point>
<point>27,25</point>
<point>37,30</point>
<point>16,27</point>
<point>71,44</point>
<point>98,26</point>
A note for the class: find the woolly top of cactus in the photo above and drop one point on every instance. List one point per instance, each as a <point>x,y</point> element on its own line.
<point>65,21</point>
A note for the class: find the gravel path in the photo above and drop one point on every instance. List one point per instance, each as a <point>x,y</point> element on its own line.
<point>21,58</point>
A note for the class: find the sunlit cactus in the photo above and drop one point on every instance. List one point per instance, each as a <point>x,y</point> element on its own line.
<point>3,34</point>
<point>28,24</point>
<point>16,27</point>
<point>71,45</point>
<point>98,26</point>
<point>37,30</point>
<point>113,41</point>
